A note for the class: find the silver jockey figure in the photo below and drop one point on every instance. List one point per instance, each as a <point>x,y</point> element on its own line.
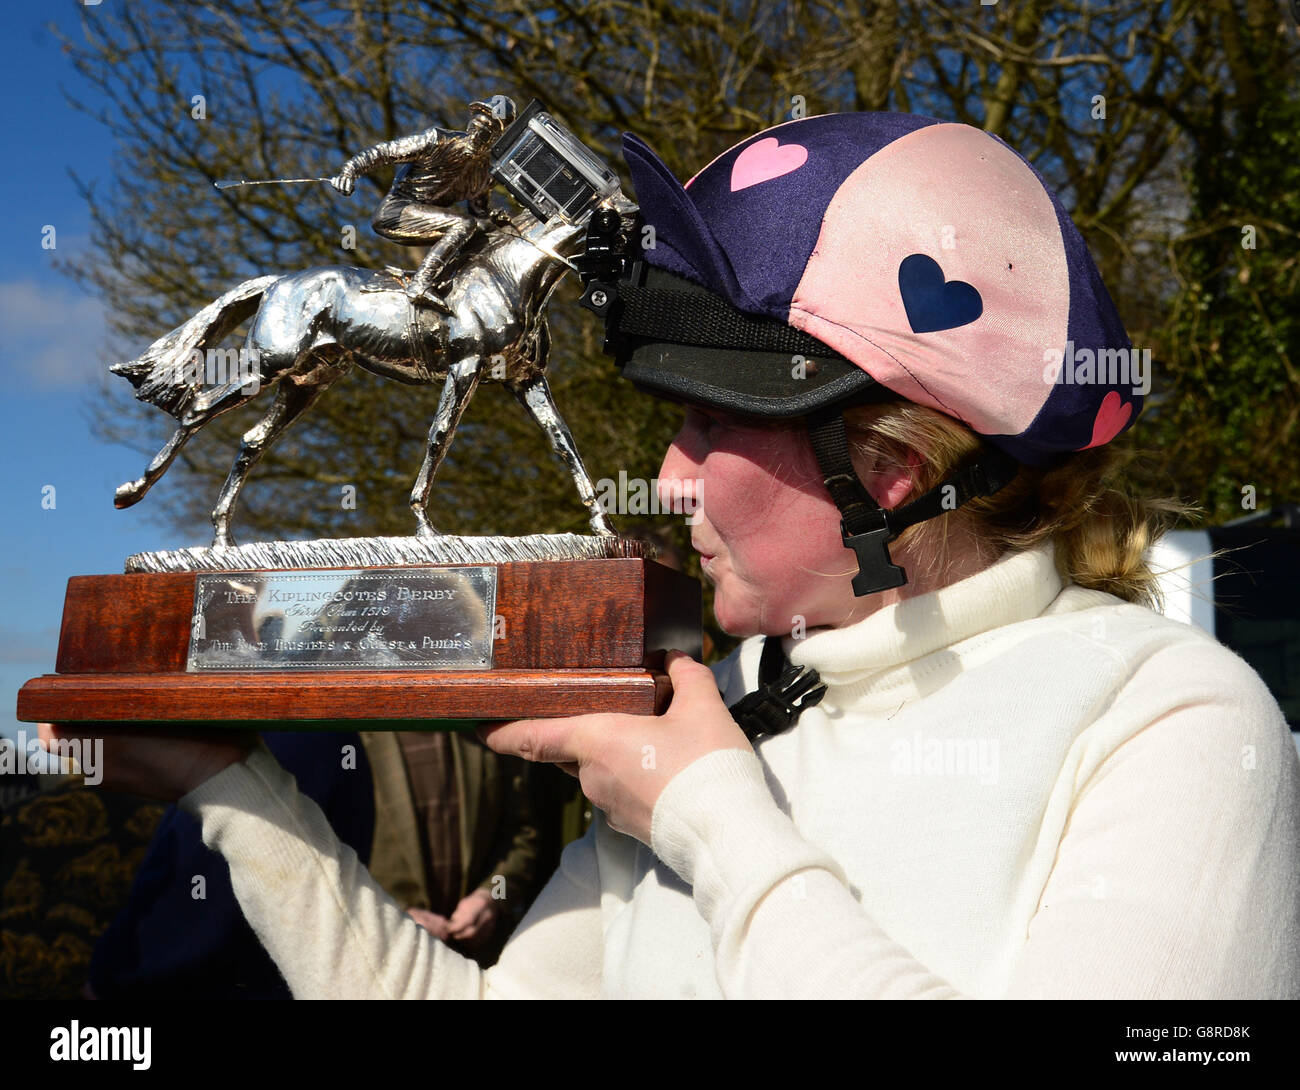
<point>439,168</point>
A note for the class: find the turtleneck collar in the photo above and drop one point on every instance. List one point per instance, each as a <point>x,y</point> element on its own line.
<point>873,655</point>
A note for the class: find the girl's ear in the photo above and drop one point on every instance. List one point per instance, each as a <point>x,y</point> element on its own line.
<point>890,485</point>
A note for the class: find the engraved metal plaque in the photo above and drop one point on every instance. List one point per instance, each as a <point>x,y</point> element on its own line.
<point>376,619</point>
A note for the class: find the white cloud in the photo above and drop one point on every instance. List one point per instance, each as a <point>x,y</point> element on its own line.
<point>51,336</point>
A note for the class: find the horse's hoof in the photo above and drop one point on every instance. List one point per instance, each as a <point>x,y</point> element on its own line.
<point>128,494</point>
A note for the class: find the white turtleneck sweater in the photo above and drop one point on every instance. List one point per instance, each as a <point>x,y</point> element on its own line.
<point>1012,788</point>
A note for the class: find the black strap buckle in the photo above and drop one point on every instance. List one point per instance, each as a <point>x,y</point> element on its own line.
<point>776,706</point>
<point>876,570</point>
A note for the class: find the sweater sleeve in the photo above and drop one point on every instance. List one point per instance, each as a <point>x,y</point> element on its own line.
<point>335,933</point>
<point>783,922</point>
<point>1175,877</point>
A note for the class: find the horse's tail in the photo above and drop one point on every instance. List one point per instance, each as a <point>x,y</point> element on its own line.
<point>169,373</point>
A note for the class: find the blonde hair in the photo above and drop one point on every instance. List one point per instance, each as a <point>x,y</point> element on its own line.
<point>1101,531</point>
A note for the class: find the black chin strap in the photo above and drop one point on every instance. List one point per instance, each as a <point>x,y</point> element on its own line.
<point>868,528</point>
<point>784,691</point>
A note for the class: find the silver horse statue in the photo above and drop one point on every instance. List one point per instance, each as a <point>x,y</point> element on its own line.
<point>310,328</point>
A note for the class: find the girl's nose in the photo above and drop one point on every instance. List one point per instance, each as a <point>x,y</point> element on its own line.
<point>678,484</point>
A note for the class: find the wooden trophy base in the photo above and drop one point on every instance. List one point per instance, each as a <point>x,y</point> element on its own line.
<point>576,636</point>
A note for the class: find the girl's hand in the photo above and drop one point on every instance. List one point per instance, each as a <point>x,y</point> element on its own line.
<point>625,761</point>
<point>153,766</point>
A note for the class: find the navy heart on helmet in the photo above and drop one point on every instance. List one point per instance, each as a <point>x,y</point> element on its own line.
<point>933,303</point>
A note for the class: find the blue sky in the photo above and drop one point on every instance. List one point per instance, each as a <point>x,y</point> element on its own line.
<point>52,351</point>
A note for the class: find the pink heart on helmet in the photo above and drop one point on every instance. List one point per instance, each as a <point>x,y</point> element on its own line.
<point>764,160</point>
<point>1111,418</point>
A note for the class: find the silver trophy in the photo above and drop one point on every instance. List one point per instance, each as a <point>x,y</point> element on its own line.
<point>474,310</point>
<point>312,633</point>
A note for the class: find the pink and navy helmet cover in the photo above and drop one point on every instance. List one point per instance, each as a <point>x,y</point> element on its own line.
<point>929,254</point>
